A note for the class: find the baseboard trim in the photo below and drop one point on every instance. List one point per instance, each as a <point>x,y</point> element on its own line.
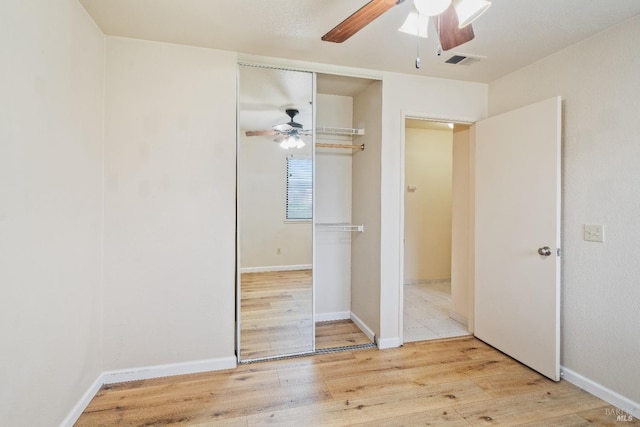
<point>363,327</point>
<point>328,317</point>
<point>267,268</point>
<point>82,404</point>
<point>625,404</point>
<point>169,370</point>
<point>144,373</point>
<point>459,318</point>
<point>427,281</point>
<point>389,343</point>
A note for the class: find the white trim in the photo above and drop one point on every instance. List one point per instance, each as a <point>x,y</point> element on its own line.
<point>168,370</point>
<point>82,404</point>
<point>427,281</point>
<point>421,115</point>
<point>314,112</point>
<point>363,327</point>
<point>437,118</point>
<point>389,343</point>
<point>401,278</point>
<point>275,268</point>
<point>459,318</point>
<point>601,391</point>
<point>337,315</point>
<point>297,65</point>
<point>238,282</point>
<point>145,373</point>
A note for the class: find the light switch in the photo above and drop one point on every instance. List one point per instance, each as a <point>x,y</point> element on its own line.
<point>411,188</point>
<point>594,233</point>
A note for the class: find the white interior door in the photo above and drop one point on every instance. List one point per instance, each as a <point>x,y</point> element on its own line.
<point>517,216</point>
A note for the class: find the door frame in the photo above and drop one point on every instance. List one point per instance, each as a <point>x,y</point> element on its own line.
<point>443,119</point>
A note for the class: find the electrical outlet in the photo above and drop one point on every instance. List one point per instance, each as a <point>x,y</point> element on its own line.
<point>594,233</point>
<point>278,251</point>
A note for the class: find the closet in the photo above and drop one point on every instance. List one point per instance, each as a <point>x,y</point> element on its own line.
<point>307,282</point>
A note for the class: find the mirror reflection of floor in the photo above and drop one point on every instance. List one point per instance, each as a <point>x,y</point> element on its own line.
<point>426,312</point>
<point>275,318</point>
<point>275,314</point>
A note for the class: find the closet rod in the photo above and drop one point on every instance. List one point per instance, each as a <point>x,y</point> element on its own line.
<point>348,146</point>
<point>339,226</point>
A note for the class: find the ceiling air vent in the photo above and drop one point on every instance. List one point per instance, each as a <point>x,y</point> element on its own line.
<point>464,59</point>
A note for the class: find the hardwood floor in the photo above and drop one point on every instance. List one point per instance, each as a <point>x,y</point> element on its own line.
<point>275,314</point>
<point>339,333</point>
<point>276,317</point>
<point>458,382</point>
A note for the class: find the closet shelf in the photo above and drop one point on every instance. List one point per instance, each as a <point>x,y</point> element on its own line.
<point>338,131</point>
<point>347,146</point>
<point>339,226</point>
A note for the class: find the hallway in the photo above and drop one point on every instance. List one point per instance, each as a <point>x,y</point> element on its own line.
<point>426,312</point>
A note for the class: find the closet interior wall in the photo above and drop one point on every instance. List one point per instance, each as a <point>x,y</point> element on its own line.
<point>333,205</point>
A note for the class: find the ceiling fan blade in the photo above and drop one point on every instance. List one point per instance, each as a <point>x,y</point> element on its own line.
<point>261,133</point>
<point>358,20</point>
<point>450,35</point>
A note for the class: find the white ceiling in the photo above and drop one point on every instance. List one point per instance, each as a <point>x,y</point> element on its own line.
<point>511,34</point>
<point>265,94</point>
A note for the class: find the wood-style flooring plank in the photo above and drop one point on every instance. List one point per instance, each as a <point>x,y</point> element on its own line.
<point>461,382</point>
<point>562,400</point>
<point>339,333</point>
<point>275,317</point>
<point>275,313</point>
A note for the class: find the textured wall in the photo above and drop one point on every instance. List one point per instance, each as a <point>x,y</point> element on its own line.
<point>333,204</point>
<point>420,97</point>
<point>51,111</point>
<point>427,210</point>
<point>598,81</point>
<point>365,247</point>
<point>170,151</point>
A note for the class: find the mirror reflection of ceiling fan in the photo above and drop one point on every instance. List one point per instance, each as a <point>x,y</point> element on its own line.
<point>452,19</point>
<point>289,134</point>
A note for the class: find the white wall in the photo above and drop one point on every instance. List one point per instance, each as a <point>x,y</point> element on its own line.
<point>598,81</point>
<point>427,210</point>
<point>422,97</point>
<point>365,248</point>
<point>461,225</point>
<point>50,209</point>
<point>170,144</point>
<point>333,205</point>
<point>266,238</point>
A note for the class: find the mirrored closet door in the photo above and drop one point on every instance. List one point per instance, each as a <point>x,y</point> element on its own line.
<point>275,213</point>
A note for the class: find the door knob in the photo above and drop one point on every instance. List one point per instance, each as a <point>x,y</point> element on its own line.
<point>544,251</point>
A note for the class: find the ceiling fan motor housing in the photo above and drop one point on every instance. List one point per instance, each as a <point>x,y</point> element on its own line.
<point>292,112</point>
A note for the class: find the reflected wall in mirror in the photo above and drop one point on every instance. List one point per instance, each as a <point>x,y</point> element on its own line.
<point>275,206</point>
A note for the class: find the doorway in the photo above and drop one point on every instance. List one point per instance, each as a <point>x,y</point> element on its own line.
<point>435,183</point>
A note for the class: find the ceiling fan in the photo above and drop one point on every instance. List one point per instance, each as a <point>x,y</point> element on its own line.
<point>453,19</point>
<point>287,134</point>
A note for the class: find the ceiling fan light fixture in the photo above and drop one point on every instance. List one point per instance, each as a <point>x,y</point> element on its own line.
<point>469,10</point>
<point>416,24</point>
<point>292,142</point>
<point>431,7</point>
<point>284,144</point>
